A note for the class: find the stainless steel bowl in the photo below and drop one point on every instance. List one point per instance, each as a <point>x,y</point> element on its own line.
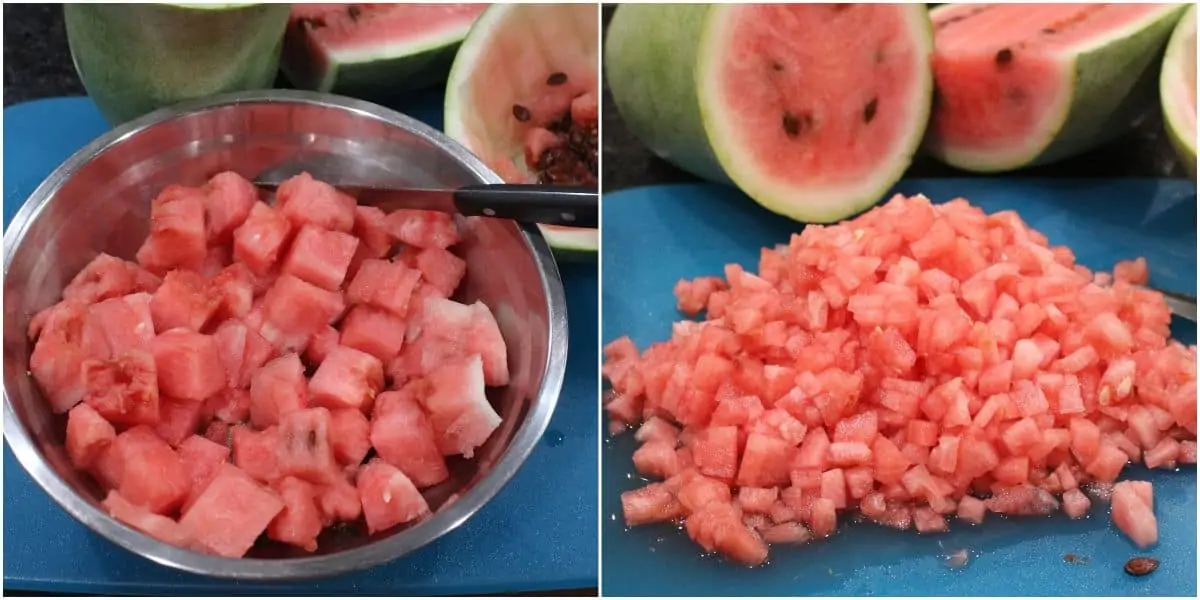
<point>99,201</point>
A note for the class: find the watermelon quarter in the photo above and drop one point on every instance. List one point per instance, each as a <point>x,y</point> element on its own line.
<point>1177,90</point>
<point>1019,84</point>
<point>812,110</point>
<point>537,123</point>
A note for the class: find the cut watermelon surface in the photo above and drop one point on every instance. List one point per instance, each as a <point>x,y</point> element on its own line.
<point>240,393</point>
<point>522,96</point>
<point>813,111</point>
<point>373,49</point>
<point>1019,84</point>
<point>1177,90</point>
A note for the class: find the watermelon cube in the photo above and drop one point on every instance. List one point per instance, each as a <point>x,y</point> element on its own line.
<point>320,257</point>
<point>88,434</point>
<point>184,300</point>
<point>448,331</point>
<point>299,523</point>
<point>439,268</point>
<point>338,501</point>
<point>350,434</point>
<point>403,436</point>
<point>124,390</point>
<point>105,277</point>
<point>319,345</point>
<point>388,497</point>
<point>258,241</point>
<point>1076,504</point>
<point>305,450</point>
<point>383,284</point>
<point>151,473</point>
<point>60,351</point>
<point>228,200</point>
<point>188,363</point>
<point>178,419</point>
<point>154,525</point>
<point>715,452</point>
<point>122,323</point>
<point>458,407</point>
<point>230,405</point>
<point>277,389</point>
<point>218,258</point>
<point>230,514</point>
<point>294,310</point>
<point>374,331</point>
<point>653,503</point>
<point>423,228</point>
<point>656,460</point>
<point>971,509</point>
<point>202,458</point>
<point>370,227</point>
<point>178,239</point>
<point>257,452</point>
<point>1133,512</point>
<point>306,201</point>
<point>230,337</point>
<point>718,527</point>
<point>233,286</point>
<point>347,378</point>
<point>766,462</point>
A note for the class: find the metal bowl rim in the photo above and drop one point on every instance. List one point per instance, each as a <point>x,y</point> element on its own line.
<point>372,553</point>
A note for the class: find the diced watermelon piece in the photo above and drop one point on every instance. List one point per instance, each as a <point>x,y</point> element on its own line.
<point>151,472</point>
<point>320,257</point>
<point>258,241</point>
<point>184,300</point>
<point>928,521</point>
<point>233,338</point>
<point>219,432</point>
<point>656,429</point>
<point>890,463</point>
<point>971,509</point>
<point>1133,512</point>
<point>1108,463</point>
<point>383,284</point>
<point>374,331</point>
<point>202,458</point>
<point>347,378</point>
<point>105,277</point>
<point>178,239</point>
<point>307,201</point>
<point>718,527</point>
<point>178,419</point>
<point>458,407</point>
<point>339,502</point>
<point>653,503</point>
<point>324,340</point>
<point>423,228</point>
<point>1022,500</point>
<point>833,487</point>
<point>370,227</point>
<point>758,500</point>
<point>449,331</point>
<point>121,323</point>
<point>715,452</point>
<point>229,406</point>
<point>277,389</point>
<point>403,435</point>
<point>230,514</point>
<point>765,461</point>
<point>786,533</point>
<point>60,351</point>
<point>234,287</point>
<point>388,497</point>
<point>439,268</point>
<point>294,310</point>
<point>700,491</point>
<point>305,450</point>
<point>125,390</point>
<point>823,518</point>
<point>257,452</point>
<point>228,200</point>
<point>88,434</point>
<point>299,523</point>
<point>154,525</point>
<point>1075,504</point>
<point>1163,454</point>
<point>350,434</point>
<point>188,364</point>
<point>656,459</point>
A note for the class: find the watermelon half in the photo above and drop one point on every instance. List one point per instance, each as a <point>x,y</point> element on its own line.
<point>813,110</point>
<point>372,50</point>
<point>1026,84</point>
<point>1177,90</point>
<point>520,70</point>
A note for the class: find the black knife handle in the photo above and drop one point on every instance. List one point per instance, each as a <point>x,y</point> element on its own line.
<point>569,206</point>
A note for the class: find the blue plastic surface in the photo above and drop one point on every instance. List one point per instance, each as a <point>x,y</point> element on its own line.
<point>538,533</point>
<point>654,236</point>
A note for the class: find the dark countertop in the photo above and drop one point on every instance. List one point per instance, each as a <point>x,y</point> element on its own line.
<point>1143,152</point>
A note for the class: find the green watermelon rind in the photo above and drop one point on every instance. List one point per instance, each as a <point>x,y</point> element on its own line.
<point>580,245</point>
<point>211,50</point>
<point>655,75</point>
<point>1110,84</point>
<point>1185,147</point>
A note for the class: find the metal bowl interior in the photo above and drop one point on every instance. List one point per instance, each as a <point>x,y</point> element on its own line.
<point>99,201</point>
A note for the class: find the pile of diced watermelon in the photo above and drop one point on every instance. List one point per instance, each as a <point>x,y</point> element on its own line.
<point>231,382</point>
<point>918,362</point>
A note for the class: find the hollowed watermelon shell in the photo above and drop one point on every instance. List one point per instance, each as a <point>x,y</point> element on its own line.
<point>1177,90</point>
<point>506,59</point>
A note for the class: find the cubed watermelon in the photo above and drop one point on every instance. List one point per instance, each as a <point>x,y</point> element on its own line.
<point>178,419</point>
<point>277,389</point>
<point>350,434</point>
<point>105,277</point>
<point>229,406</point>
<point>299,523</point>
<point>347,378</point>
<point>320,257</point>
<point>458,407</point>
<point>439,268</point>
<point>765,462</point>
<point>1133,512</point>
<point>656,460</point>
<point>305,450</point>
<point>448,331</point>
<point>718,527</point>
<point>653,503</point>
<point>307,201</point>
<point>383,284</point>
<point>88,434</point>
<point>188,364</point>
<point>258,241</point>
<point>121,323</point>
<point>715,452</point>
<point>339,501</point>
<point>257,452</point>
<point>423,229</point>
<point>388,497</point>
<point>178,239</point>
<point>184,300</point>
<point>151,472</point>
<point>370,227</point>
<point>294,310</point>
<point>124,390</point>
<point>230,514</point>
<point>228,199</point>
<point>324,340</point>
<point>154,525</point>
<point>202,458</point>
<point>234,287</point>
<point>402,435</point>
<point>374,331</point>
<point>60,351</point>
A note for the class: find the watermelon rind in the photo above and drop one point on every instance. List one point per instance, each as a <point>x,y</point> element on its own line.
<point>1179,62</point>
<point>657,78</point>
<point>136,58</point>
<point>568,243</point>
<point>1109,86</point>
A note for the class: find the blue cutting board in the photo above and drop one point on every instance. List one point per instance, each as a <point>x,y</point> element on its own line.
<point>538,533</point>
<point>654,236</point>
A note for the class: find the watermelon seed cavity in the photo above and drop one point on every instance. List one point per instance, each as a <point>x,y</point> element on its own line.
<point>521,113</point>
<point>870,109</point>
<point>556,78</point>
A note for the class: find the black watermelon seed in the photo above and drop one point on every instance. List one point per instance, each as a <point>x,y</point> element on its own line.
<point>1139,566</point>
<point>1050,31</point>
<point>556,79</point>
<point>776,66</point>
<point>1004,57</point>
<point>521,113</point>
<point>312,439</point>
<point>840,7</point>
<point>354,12</point>
<point>795,126</point>
<point>870,109</point>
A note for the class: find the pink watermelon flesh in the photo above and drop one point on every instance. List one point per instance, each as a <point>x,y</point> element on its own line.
<point>230,514</point>
<point>999,69</point>
<point>388,497</point>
